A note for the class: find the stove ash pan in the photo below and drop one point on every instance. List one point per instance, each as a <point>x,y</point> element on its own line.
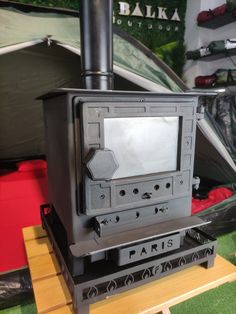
<point>120,169</point>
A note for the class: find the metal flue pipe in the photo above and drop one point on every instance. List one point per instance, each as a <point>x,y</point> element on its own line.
<point>96,44</point>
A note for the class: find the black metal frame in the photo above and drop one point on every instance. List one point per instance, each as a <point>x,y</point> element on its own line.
<point>197,248</point>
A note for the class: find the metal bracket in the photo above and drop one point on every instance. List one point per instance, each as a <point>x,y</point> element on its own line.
<point>111,223</point>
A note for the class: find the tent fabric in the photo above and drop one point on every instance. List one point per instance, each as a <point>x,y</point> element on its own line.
<point>24,75</point>
<point>223,113</point>
<point>212,159</point>
<point>40,52</point>
<point>19,27</point>
<point>214,197</point>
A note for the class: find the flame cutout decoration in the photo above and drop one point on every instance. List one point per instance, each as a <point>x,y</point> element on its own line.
<point>129,280</point>
<point>112,285</point>
<point>198,237</point>
<point>208,252</point>
<point>146,274</point>
<point>167,266</point>
<point>156,270</point>
<point>190,233</point>
<point>92,293</point>
<point>182,261</point>
<point>195,257</point>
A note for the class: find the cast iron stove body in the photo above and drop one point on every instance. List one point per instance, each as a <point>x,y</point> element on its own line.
<point>120,170</point>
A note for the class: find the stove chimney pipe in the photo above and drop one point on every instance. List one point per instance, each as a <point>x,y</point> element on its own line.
<point>96,44</point>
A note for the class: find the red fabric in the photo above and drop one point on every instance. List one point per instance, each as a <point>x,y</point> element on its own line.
<point>204,81</point>
<point>222,9</point>
<point>21,194</point>
<point>214,197</point>
<point>31,165</point>
<point>204,16</point>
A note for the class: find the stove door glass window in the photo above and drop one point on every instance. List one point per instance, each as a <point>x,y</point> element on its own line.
<point>143,145</point>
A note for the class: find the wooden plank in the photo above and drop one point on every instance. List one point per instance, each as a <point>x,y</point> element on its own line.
<point>166,310</point>
<point>62,310</point>
<point>147,299</point>
<point>166,292</point>
<point>51,293</point>
<point>37,247</point>
<point>34,232</point>
<point>43,266</point>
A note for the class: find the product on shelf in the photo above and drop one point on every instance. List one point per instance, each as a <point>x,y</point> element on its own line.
<point>217,46</point>
<point>198,53</point>
<point>220,10</point>
<point>214,47</point>
<point>205,16</point>
<point>230,44</point>
<point>220,77</point>
<point>205,81</point>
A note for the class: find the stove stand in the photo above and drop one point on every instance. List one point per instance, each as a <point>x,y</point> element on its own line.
<point>197,248</point>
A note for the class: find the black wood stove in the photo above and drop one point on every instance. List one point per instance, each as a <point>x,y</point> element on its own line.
<point>120,170</point>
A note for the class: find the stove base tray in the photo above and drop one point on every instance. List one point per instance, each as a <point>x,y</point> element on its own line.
<point>197,248</point>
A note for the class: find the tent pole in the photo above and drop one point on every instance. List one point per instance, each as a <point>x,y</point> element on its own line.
<point>96,44</point>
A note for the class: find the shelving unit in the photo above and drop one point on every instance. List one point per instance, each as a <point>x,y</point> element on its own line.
<point>217,56</point>
<point>219,21</point>
<point>231,89</point>
<point>218,28</point>
<point>214,23</point>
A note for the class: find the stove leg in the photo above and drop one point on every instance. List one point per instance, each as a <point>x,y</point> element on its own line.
<point>209,263</point>
<point>82,309</point>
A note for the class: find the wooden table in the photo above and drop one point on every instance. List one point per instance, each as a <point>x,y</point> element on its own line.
<point>52,296</point>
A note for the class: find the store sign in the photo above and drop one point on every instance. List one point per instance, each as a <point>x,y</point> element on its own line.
<point>153,14</point>
<point>148,11</point>
<point>158,24</point>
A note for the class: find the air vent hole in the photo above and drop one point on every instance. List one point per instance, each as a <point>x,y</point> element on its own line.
<point>122,193</point>
<point>168,185</point>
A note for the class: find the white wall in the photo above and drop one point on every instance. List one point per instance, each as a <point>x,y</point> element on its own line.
<point>196,37</point>
<point>209,4</point>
